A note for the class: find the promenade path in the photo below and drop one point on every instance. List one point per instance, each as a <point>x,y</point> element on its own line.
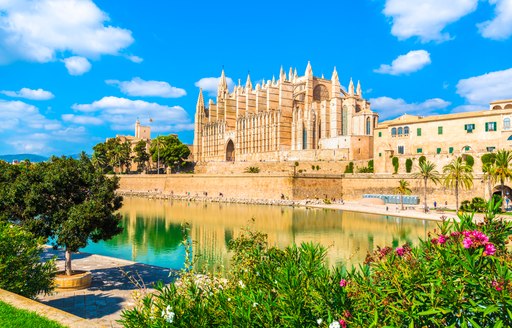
<point>111,290</point>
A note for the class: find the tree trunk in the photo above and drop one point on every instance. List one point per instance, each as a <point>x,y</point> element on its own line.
<point>402,201</point>
<point>502,195</point>
<point>457,196</point>
<point>67,264</point>
<point>490,189</point>
<point>425,194</point>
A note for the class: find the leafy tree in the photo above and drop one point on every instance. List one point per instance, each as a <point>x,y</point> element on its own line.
<point>502,170</point>
<point>349,168</point>
<point>427,171</point>
<point>408,165</point>
<point>488,158</point>
<point>422,159</point>
<point>488,171</point>
<point>396,164</point>
<point>119,153</point>
<point>141,155</point>
<point>403,189</point>
<point>469,159</point>
<point>458,173</point>
<point>67,200</point>
<point>21,269</point>
<point>169,150</point>
<point>100,157</point>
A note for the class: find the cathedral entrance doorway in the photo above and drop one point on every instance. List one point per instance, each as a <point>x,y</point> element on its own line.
<point>230,151</point>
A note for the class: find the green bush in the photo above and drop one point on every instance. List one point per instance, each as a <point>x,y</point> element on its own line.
<point>349,168</point>
<point>422,159</point>
<point>396,164</point>
<point>488,158</point>
<point>460,276</point>
<point>252,169</point>
<point>21,271</point>
<point>408,165</point>
<point>477,204</point>
<point>370,164</point>
<point>469,159</point>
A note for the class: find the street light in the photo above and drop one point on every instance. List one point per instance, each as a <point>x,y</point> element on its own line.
<point>158,154</point>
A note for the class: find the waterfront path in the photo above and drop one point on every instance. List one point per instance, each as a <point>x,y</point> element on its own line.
<point>111,290</point>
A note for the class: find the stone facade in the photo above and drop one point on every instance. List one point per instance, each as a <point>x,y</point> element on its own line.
<point>141,133</point>
<point>292,119</point>
<point>440,138</point>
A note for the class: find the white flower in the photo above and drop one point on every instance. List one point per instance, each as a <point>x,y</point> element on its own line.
<point>319,321</point>
<point>335,324</point>
<point>168,315</point>
<point>241,283</point>
<point>254,304</point>
<point>229,299</point>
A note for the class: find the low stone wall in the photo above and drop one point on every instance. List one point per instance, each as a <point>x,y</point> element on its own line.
<point>64,318</point>
<point>250,187</point>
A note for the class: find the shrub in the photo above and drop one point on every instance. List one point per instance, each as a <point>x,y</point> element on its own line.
<point>252,169</point>
<point>460,276</point>
<point>477,204</point>
<point>488,158</point>
<point>317,167</point>
<point>395,162</point>
<point>408,165</point>
<point>349,168</point>
<point>422,159</point>
<point>21,271</point>
<point>469,160</point>
<point>370,164</point>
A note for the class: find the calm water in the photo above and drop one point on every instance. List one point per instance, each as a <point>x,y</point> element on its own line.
<point>152,231</point>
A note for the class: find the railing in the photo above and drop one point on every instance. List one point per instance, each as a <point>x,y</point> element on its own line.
<point>395,199</point>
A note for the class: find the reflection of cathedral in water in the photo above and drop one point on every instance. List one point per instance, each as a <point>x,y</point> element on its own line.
<point>156,224</point>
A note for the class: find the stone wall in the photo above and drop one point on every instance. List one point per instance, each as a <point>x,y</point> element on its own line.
<point>271,186</point>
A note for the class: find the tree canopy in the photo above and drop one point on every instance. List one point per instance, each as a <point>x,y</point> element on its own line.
<point>170,150</point>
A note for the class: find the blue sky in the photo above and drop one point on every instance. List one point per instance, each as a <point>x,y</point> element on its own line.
<point>74,72</point>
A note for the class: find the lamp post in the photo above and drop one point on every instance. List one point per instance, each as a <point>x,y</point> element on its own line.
<point>158,154</point>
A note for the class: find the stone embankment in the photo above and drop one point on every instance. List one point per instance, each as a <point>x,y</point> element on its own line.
<point>221,199</point>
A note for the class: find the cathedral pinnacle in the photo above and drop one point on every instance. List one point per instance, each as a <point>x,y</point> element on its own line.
<point>351,88</point>
<point>248,83</point>
<point>358,90</point>
<point>222,81</point>
<point>334,77</point>
<point>309,70</point>
<point>200,100</point>
<point>282,74</point>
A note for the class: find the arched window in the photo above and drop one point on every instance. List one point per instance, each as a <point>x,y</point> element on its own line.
<point>368,126</point>
<point>320,93</point>
<point>393,132</point>
<point>400,131</point>
<point>304,137</point>
<point>406,131</point>
<point>506,123</point>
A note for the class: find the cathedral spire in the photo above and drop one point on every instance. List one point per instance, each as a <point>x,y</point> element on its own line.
<point>309,70</point>
<point>359,92</point>
<point>248,83</point>
<point>351,88</point>
<point>290,74</point>
<point>334,77</point>
<point>222,81</point>
<point>295,75</point>
<point>200,101</point>
<point>282,74</point>
<point>273,79</point>
<point>335,83</point>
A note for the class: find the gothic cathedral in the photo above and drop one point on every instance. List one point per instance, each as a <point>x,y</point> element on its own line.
<point>296,118</point>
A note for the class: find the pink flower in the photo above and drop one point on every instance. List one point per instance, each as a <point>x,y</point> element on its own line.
<point>347,314</point>
<point>442,239</point>
<point>490,249</point>
<point>400,251</point>
<point>497,286</point>
<point>343,283</point>
<point>467,242</point>
<point>343,323</point>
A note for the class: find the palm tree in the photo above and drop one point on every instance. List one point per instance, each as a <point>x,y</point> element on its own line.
<point>458,173</point>
<point>488,171</point>
<point>427,171</point>
<point>502,170</point>
<point>403,189</point>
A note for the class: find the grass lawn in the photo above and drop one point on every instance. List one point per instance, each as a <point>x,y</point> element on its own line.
<point>11,317</point>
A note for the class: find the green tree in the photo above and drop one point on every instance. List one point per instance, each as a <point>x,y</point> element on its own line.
<point>458,174</point>
<point>169,150</point>
<point>21,269</point>
<point>408,165</point>
<point>488,171</point>
<point>119,153</point>
<point>141,155</point>
<point>427,171</point>
<point>100,157</point>
<point>67,200</point>
<point>502,170</point>
<point>396,164</point>
<point>403,189</point>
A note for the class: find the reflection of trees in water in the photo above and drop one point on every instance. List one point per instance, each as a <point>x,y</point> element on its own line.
<point>152,232</point>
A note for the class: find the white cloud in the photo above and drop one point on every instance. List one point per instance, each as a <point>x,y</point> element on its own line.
<point>500,27</point>
<point>44,142</point>
<point>389,108</point>
<point>140,87</point>
<point>39,30</point>
<point>411,62</point>
<point>426,19</point>
<point>210,84</point>
<point>86,120</point>
<point>135,59</point>
<point>121,114</point>
<point>482,89</point>
<point>77,65</point>
<point>19,116</point>
<point>33,94</point>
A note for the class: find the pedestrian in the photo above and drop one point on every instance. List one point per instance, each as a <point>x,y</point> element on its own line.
<point>387,208</point>
<point>435,204</point>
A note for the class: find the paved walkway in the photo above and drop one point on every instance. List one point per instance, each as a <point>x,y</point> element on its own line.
<point>111,290</point>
